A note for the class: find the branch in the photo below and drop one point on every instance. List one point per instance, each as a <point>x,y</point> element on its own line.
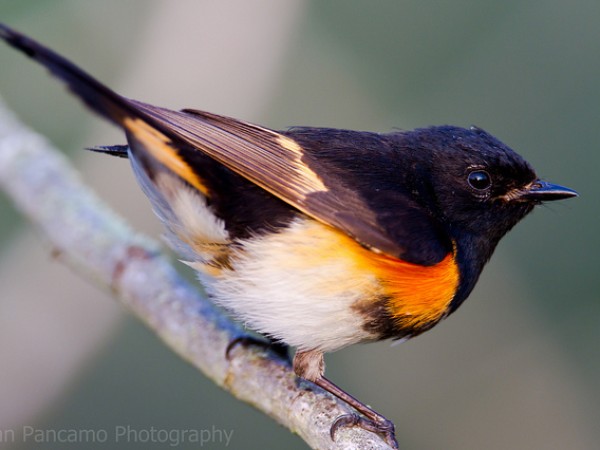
<point>90,238</point>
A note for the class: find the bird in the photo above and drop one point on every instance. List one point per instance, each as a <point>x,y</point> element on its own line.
<point>319,238</point>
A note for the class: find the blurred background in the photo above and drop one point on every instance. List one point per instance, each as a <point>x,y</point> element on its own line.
<point>517,367</point>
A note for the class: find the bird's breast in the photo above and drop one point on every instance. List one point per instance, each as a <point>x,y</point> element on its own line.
<point>313,287</point>
<point>416,297</point>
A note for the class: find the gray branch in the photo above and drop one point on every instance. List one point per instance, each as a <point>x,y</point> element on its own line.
<point>91,239</point>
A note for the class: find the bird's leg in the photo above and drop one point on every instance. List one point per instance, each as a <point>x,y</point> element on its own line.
<point>310,366</point>
<point>373,421</point>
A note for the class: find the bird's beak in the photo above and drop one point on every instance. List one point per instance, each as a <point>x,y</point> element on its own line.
<point>542,191</point>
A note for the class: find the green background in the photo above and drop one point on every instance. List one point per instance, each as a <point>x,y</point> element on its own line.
<point>518,367</point>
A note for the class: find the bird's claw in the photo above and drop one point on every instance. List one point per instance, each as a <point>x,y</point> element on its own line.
<point>383,427</point>
<point>280,350</point>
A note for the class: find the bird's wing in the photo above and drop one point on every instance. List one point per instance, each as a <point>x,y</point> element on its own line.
<point>389,222</point>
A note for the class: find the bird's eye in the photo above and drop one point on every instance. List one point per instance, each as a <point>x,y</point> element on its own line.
<point>479,180</point>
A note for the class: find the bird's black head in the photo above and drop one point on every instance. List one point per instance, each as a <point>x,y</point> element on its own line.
<point>474,183</point>
<point>475,186</point>
<point>476,180</point>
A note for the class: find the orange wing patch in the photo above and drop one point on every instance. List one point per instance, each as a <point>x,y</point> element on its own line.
<point>158,145</point>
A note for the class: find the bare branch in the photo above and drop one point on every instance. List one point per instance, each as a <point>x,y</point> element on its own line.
<point>93,240</point>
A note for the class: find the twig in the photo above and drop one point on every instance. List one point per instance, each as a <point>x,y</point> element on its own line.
<point>93,240</point>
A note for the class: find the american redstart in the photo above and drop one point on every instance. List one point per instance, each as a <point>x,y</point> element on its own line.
<point>316,237</point>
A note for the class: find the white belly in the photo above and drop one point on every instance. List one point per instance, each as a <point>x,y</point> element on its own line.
<point>297,286</point>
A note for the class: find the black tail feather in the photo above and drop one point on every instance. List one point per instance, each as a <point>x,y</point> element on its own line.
<point>97,96</point>
<point>94,94</point>
<point>119,151</point>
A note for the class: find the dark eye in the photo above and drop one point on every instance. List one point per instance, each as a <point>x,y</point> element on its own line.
<point>479,179</point>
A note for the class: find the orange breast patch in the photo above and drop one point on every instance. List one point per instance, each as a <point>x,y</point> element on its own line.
<point>418,295</point>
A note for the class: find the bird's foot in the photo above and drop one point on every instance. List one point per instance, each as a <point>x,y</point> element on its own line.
<point>379,425</point>
<point>370,419</point>
<point>278,348</point>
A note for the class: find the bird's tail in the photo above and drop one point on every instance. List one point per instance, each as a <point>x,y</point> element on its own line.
<point>158,145</point>
<point>97,96</point>
<point>156,151</point>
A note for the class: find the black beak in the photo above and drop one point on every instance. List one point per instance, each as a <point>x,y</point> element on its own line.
<point>541,191</point>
